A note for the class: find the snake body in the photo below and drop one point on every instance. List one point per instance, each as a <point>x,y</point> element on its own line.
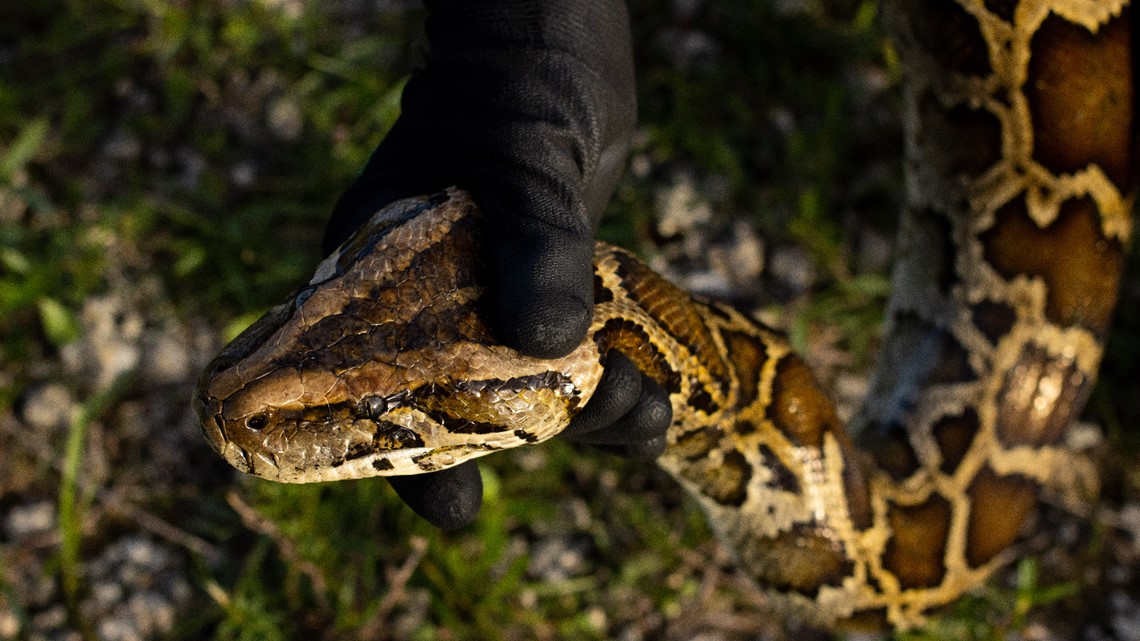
<point>1019,187</point>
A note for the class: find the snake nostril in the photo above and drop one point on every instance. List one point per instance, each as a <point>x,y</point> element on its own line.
<point>257,422</point>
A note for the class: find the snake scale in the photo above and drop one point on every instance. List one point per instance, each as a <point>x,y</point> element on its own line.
<point>1019,190</point>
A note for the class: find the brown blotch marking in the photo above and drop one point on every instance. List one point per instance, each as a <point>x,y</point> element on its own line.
<point>717,309</point>
<point>916,551</point>
<point>799,407</point>
<point>994,320</point>
<point>602,294</point>
<point>701,400</point>
<point>671,307</point>
<point>747,355</point>
<point>1003,9</point>
<point>803,413</point>
<point>697,443</point>
<point>999,504</point>
<point>725,482</point>
<point>782,477</point>
<point>855,487</point>
<point>799,560</point>
<point>632,341</point>
<point>893,451</point>
<point>874,620</point>
<point>944,28</point>
<point>954,435</point>
<point>940,359</point>
<point>728,482</point>
<point>1080,267</point>
<point>382,464</point>
<point>952,364</point>
<point>1080,92</point>
<point>945,130</point>
<point>1039,398</point>
<point>931,233</point>
<point>744,427</point>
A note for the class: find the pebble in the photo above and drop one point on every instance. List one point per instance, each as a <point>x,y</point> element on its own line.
<point>137,590</point>
<point>28,520</point>
<point>558,557</point>
<point>110,341</point>
<point>48,407</point>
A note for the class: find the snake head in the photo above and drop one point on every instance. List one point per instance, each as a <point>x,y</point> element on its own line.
<point>383,363</point>
<point>279,428</point>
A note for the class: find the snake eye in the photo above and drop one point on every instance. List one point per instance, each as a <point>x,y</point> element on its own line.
<point>373,406</point>
<point>257,422</point>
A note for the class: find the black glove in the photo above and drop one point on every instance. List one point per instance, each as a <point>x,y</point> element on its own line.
<point>529,105</point>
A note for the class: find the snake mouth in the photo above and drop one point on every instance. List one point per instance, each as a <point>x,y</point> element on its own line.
<point>209,413</point>
<point>209,420</point>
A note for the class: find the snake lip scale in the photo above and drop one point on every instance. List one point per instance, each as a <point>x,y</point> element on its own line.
<point>1020,182</point>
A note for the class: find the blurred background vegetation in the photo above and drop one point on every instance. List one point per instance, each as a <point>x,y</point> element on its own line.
<point>166,168</point>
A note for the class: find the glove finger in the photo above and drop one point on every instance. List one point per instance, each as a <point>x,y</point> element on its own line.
<point>449,498</point>
<point>643,451</point>
<point>649,418</point>
<point>541,286</point>
<point>617,394</point>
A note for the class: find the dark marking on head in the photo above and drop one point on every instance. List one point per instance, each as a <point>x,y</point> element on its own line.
<point>425,462</point>
<point>355,451</point>
<point>998,506</point>
<point>526,436</point>
<point>551,379</point>
<point>1080,91</point>
<point>459,425</point>
<point>390,436</point>
<point>1082,278</point>
<point>916,551</point>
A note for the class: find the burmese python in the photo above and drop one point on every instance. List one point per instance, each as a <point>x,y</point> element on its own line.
<point>1019,191</point>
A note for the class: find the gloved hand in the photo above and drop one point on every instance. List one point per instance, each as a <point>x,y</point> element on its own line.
<point>529,105</point>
